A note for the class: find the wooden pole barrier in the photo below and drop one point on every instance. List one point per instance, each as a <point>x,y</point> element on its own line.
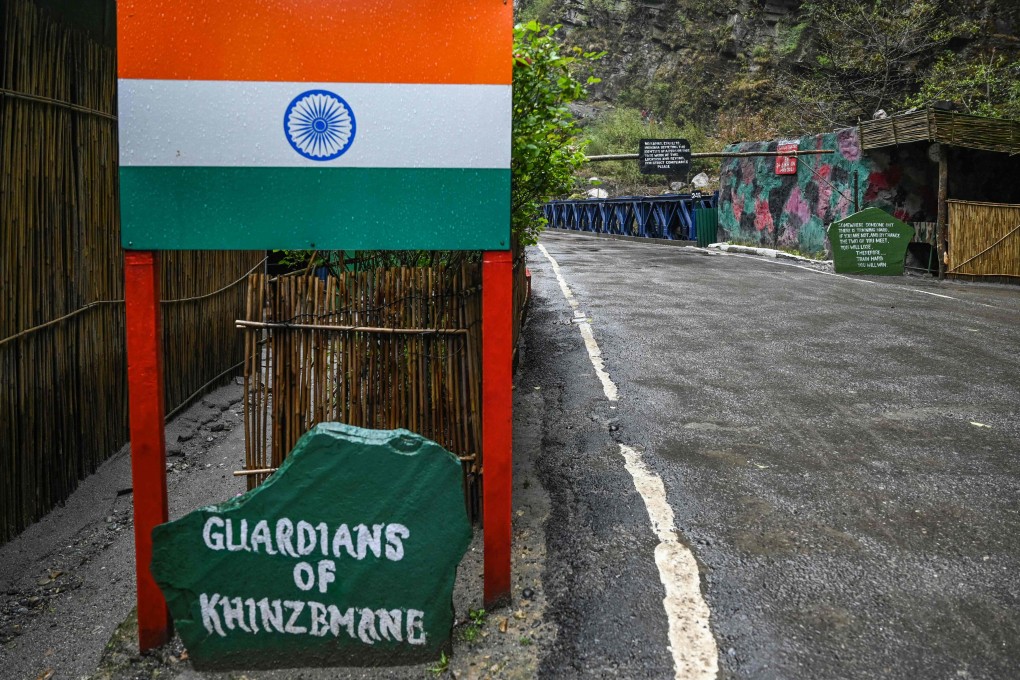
<point>713,154</point>
<point>497,423</point>
<point>148,443</point>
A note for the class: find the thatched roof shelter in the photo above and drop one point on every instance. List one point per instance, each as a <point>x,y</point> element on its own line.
<point>946,127</point>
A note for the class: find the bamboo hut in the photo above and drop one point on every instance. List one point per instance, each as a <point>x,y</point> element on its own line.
<point>978,200</point>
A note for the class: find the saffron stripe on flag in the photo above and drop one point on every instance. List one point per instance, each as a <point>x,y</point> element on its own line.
<point>369,41</point>
<point>182,208</point>
<point>241,123</point>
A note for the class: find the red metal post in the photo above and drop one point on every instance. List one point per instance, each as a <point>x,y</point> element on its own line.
<point>148,445</point>
<point>497,422</point>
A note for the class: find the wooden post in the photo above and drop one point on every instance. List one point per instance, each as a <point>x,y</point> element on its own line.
<point>940,225</point>
<point>148,444</point>
<point>497,422</point>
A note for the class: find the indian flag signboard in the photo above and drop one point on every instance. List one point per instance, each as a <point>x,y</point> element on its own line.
<point>314,124</point>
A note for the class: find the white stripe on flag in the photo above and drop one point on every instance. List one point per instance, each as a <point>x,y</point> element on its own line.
<point>240,124</point>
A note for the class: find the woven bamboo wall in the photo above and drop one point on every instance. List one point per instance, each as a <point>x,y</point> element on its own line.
<point>63,407</point>
<point>384,376</point>
<point>413,362</point>
<point>984,240</point>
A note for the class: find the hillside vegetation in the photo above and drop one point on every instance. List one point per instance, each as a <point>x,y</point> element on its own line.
<point>738,70</point>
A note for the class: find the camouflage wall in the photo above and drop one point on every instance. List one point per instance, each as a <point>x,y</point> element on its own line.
<point>758,206</point>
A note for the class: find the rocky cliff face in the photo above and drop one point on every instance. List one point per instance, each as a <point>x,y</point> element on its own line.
<point>741,68</point>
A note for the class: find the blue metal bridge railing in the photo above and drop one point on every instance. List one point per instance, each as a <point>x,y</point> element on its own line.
<point>670,216</point>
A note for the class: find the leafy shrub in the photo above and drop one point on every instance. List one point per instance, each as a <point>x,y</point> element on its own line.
<point>546,140</point>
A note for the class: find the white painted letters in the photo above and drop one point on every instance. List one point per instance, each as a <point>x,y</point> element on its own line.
<point>304,576</point>
<point>223,615</point>
<point>369,540</point>
<point>415,626</point>
<point>305,538</point>
<point>260,534</point>
<point>284,532</point>
<point>284,538</point>
<point>296,607</point>
<point>394,543</point>
<point>213,541</point>
<point>210,617</point>
<point>327,574</point>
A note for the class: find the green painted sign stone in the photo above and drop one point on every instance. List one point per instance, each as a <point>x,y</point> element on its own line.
<point>869,242</point>
<point>346,556</point>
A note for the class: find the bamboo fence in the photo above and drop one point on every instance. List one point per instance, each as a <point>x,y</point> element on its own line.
<point>393,347</point>
<point>984,240</point>
<point>396,347</point>
<point>63,396</point>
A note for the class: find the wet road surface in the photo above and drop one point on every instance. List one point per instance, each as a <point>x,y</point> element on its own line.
<point>840,454</point>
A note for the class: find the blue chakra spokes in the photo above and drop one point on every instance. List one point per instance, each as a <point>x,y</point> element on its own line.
<point>319,125</point>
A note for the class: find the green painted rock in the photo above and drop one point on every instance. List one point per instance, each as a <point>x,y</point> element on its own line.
<point>346,556</point>
<point>869,242</point>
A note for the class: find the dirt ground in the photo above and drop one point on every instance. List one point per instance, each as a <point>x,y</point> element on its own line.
<point>67,584</point>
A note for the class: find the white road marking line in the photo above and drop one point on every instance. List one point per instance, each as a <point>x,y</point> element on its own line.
<point>948,297</point>
<point>690,640</point>
<point>695,655</point>
<point>594,353</point>
<point>865,281</point>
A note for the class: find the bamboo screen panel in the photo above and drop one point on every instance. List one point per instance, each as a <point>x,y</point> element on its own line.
<point>63,394</point>
<point>984,240</point>
<point>395,347</point>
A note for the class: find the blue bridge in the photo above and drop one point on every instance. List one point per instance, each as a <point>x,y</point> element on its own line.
<point>672,216</point>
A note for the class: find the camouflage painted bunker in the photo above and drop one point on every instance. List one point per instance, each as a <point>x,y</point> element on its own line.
<point>892,164</point>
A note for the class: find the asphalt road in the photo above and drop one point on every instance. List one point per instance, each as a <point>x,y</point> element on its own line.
<point>840,454</point>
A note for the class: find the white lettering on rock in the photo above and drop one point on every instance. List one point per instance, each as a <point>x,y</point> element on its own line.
<point>366,627</point>
<point>224,616</point>
<point>306,538</point>
<point>304,576</point>
<point>415,626</point>
<point>319,625</point>
<point>327,574</point>
<point>284,532</point>
<point>213,541</point>
<point>342,539</point>
<point>295,606</point>
<point>211,617</point>
<point>369,540</point>
<point>261,535</point>
<point>395,535</point>
<point>302,539</point>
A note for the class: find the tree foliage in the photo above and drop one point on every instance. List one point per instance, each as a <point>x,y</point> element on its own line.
<point>620,130</point>
<point>868,54</point>
<point>986,83</point>
<point>546,140</point>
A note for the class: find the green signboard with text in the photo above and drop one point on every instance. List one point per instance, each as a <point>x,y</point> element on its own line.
<point>869,242</point>
<point>346,556</point>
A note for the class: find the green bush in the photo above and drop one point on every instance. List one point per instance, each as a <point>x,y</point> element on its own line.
<point>546,143</point>
<point>985,83</point>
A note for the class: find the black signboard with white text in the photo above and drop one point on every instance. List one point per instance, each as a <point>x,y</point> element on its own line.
<point>664,156</point>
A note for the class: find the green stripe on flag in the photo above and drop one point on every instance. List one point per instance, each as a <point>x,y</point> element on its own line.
<point>229,208</point>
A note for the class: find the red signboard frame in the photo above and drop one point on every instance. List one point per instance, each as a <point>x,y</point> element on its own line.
<point>145,357</point>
